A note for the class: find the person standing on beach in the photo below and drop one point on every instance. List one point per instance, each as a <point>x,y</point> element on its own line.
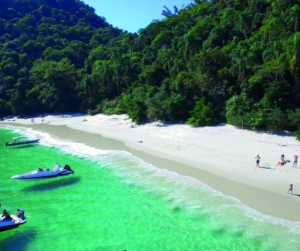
<point>290,189</point>
<point>295,160</point>
<point>257,160</point>
<point>282,162</point>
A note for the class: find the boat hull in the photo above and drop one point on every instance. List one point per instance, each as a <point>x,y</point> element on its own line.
<point>41,175</point>
<point>23,143</point>
<point>5,228</point>
<point>9,224</point>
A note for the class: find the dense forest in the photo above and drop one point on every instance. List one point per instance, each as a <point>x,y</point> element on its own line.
<point>220,60</point>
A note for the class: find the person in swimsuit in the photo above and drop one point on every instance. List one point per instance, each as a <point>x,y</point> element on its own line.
<point>290,189</point>
<point>257,160</point>
<point>295,160</point>
<point>282,162</point>
<point>6,216</point>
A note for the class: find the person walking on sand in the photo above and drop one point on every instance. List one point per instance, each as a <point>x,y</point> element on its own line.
<point>290,189</point>
<point>295,160</point>
<point>257,160</point>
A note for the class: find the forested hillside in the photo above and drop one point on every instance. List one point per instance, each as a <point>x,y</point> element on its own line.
<point>229,60</point>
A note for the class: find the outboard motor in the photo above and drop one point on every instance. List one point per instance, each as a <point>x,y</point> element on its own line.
<point>67,167</point>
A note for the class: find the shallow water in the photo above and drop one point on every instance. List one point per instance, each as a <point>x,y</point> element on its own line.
<point>115,201</point>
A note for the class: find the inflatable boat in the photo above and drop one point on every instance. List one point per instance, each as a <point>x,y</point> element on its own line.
<point>13,222</point>
<point>17,141</point>
<point>41,174</point>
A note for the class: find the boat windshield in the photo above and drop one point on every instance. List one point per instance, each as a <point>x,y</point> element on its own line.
<point>19,138</point>
<point>56,167</point>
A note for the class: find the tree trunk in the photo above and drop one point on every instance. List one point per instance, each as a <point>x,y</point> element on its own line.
<point>117,80</point>
<point>108,86</point>
<point>191,58</point>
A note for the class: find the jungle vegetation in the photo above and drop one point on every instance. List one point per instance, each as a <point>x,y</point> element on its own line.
<point>236,61</point>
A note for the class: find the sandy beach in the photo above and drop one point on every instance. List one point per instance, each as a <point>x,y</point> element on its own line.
<point>222,156</point>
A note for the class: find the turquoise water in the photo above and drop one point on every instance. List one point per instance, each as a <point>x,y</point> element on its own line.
<point>115,201</point>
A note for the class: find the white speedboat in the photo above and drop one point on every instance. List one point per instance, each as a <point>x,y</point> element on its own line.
<point>41,174</point>
<point>21,140</point>
<point>13,222</point>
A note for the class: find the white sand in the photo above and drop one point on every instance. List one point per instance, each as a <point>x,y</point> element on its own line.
<point>222,150</point>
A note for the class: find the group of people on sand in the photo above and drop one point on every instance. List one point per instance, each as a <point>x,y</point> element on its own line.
<point>32,121</point>
<point>281,162</point>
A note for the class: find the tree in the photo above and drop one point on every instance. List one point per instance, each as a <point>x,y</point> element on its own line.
<point>167,57</point>
<point>178,66</point>
<point>103,70</point>
<point>271,28</point>
<point>293,17</point>
<point>244,21</point>
<point>242,59</point>
<point>56,84</point>
<point>115,55</point>
<point>187,47</point>
<point>272,51</point>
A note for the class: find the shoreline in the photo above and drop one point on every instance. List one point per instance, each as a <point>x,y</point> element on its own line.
<point>268,202</point>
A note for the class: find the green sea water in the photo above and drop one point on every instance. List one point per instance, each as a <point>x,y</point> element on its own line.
<point>115,201</point>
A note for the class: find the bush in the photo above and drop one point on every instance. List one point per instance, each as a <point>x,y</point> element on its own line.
<point>155,106</point>
<point>136,109</point>
<point>237,107</point>
<point>298,133</point>
<point>110,106</point>
<point>202,114</point>
<point>115,106</point>
<point>99,108</point>
<point>254,119</point>
<point>276,120</point>
<point>293,118</point>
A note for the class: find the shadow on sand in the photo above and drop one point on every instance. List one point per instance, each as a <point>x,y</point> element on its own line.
<point>296,195</point>
<point>17,239</point>
<point>264,167</point>
<point>52,185</point>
